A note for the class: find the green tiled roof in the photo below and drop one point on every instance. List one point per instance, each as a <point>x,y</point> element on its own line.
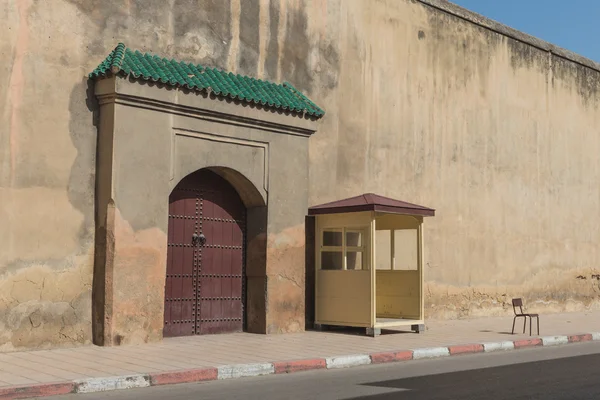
<point>126,62</point>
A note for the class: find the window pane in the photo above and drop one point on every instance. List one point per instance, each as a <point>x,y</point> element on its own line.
<point>383,246</point>
<point>355,260</point>
<point>331,260</point>
<point>405,249</point>
<point>354,239</point>
<point>332,238</point>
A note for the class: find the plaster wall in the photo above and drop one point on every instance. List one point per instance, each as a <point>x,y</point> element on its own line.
<point>499,135</point>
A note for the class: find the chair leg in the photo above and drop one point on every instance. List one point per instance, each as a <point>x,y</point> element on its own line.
<point>530,323</point>
<point>524,323</point>
<point>513,328</point>
<point>538,324</point>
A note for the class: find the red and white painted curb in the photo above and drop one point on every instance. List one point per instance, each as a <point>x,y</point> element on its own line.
<point>281,367</point>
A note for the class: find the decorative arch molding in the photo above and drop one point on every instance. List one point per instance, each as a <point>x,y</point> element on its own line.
<point>253,188</point>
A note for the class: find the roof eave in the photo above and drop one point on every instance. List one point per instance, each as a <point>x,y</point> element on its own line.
<point>423,212</point>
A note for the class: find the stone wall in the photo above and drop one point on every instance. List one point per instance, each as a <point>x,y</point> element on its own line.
<point>499,135</point>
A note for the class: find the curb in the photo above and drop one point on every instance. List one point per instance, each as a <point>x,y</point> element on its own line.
<point>281,367</point>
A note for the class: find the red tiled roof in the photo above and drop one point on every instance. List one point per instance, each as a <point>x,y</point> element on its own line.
<point>371,202</point>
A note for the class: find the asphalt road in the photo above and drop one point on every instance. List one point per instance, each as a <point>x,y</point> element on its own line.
<point>564,372</point>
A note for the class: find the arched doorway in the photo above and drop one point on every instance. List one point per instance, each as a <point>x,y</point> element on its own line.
<point>205,281</point>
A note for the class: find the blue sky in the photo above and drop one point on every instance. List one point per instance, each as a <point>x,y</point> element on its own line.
<point>569,24</point>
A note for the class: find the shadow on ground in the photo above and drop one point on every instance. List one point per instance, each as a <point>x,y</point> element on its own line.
<point>502,333</point>
<point>344,330</point>
<point>563,378</point>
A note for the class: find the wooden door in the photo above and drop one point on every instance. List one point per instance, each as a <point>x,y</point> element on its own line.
<point>205,257</point>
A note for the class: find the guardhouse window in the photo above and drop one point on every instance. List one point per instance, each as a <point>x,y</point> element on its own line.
<point>343,249</point>
<point>397,249</point>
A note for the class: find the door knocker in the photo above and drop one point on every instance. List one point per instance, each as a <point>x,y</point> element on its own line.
<point>198,239</point>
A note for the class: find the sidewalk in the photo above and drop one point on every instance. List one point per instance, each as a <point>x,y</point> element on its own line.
<point>219,356</point>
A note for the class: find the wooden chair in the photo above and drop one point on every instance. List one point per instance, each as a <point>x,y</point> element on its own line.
<point>519,303</point>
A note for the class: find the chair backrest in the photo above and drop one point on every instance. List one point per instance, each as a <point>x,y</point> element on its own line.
<point>517,303</point>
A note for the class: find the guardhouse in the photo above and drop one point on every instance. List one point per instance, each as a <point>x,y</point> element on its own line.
<point>369,263</point>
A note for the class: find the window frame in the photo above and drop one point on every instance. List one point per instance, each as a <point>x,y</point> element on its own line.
<point>344,248</point>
